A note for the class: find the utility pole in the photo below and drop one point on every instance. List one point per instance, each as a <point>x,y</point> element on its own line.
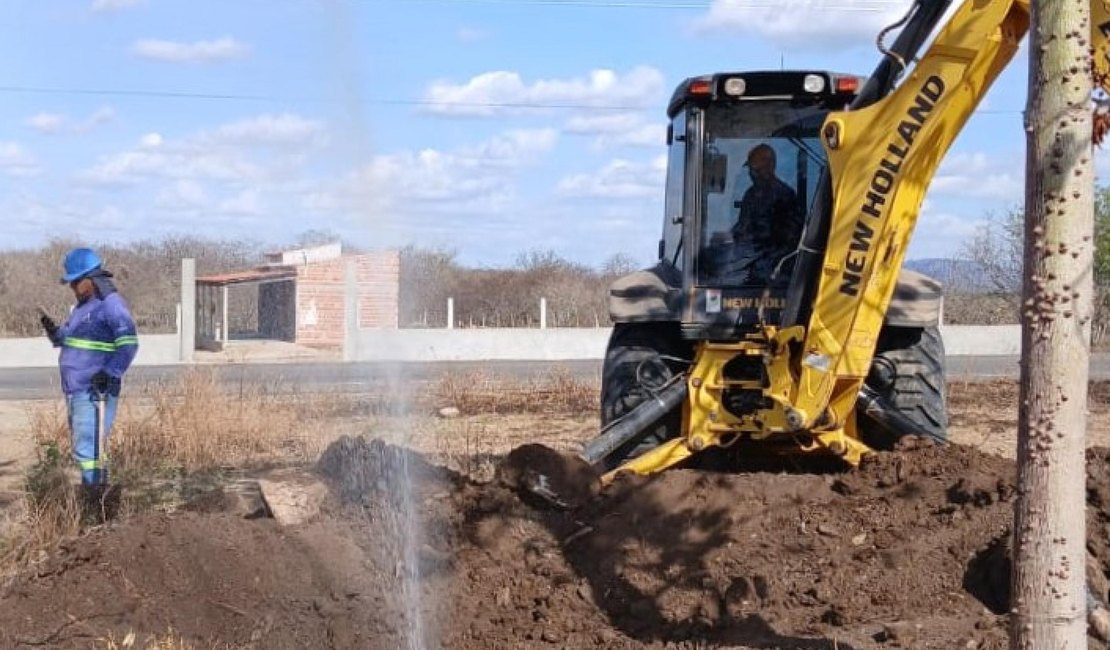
<point>1049,608</point>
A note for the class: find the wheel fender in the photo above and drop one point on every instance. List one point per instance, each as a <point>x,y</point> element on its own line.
<point>646,296</point>
<point>916,301</point>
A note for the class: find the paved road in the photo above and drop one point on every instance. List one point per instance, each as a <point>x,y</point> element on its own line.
<point>40,383</point>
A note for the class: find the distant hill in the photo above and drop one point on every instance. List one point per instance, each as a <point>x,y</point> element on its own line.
<point>964,275</point>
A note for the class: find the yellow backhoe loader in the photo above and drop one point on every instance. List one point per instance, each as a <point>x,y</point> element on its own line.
<point>778,317</point>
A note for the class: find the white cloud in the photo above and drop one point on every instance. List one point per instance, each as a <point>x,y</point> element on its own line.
<point>102,115</point>
<point>470,35</point>
<point>173,160</point>
<point>227,153</point>
<point>620,179</point>
<point>270,130</point>
<point>184,194</point>
<point>104,6</point>
<point>477,174</point>
<point>941,233</point>
<point>247,203</point>
<point>233,173</point>
<point>16,161</point>
<point>221,49</point>
<point>619,128</point>
<point>499,92</point>
<point>1102,166</point>
<point>812,24</point>
<point>975,175</point>
<point>55,123</point>
<point>151,140</point>
<point>46,122</point>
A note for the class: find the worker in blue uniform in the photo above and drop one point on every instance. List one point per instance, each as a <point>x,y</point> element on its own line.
<point>98,343</point>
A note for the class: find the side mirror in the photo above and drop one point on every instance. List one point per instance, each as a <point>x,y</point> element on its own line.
<point>662,248</point>
<point>670,134</point>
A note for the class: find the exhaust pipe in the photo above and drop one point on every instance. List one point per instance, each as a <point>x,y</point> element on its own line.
<point>634,424</point>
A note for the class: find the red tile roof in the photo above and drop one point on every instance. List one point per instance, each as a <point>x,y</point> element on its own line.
<point>248,276</point>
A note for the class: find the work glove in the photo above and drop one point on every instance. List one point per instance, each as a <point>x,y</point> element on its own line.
<point>105,384</point>
<point>48,324</point>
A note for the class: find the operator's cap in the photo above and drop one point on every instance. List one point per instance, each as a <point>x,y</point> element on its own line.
<point>759,150</point>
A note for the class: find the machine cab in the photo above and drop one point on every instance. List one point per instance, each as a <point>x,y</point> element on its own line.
<point>744,159</point>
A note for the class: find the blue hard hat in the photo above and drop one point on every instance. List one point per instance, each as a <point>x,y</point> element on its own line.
<point>80,262</point>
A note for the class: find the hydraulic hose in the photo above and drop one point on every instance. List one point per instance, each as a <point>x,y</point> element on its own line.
<point>634,424</point>
<point>878,409</point>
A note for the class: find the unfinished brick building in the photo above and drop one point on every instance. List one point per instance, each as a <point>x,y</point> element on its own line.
<point>302,297</point>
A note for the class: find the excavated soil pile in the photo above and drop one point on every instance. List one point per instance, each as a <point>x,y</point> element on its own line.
<point>907,551</point>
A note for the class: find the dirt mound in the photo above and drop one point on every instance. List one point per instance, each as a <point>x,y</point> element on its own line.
<point>907,551</point>
<point>205,577</point>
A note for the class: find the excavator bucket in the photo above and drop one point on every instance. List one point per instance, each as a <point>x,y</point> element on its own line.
<point>550,478</point>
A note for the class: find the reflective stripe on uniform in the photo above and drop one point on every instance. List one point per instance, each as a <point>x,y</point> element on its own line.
<point>86,465</point>
<point>86,344</point>
<point>127,340</point>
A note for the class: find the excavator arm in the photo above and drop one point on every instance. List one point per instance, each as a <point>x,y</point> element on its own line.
<point>882,154</point>
<point>881,160</point>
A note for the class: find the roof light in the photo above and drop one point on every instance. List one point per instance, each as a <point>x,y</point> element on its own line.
<point>813,83</point>
<point>700,87</point>
<point>735,86</point>
<point>847,84</point>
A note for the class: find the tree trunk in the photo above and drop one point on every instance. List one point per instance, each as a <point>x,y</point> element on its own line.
<point>1049,578</point>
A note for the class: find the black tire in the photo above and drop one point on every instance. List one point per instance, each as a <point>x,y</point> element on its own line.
<point>908,371</point>
<point>640,359</point>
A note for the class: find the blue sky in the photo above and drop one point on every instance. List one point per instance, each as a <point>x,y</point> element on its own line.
<point>379,119</point>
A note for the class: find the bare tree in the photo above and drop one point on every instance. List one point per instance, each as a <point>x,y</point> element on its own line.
<point>997,250</point>
<point>1049,578</point>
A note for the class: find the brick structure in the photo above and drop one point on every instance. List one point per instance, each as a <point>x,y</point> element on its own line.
<point>320,297</point>
<point>301,296</point>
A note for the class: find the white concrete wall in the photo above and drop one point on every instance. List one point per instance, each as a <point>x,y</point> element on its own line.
<point>589,343</point>
<point>481,344</point>
<point>981,340</point>
<point>154,350</point>
<point>557,344</point>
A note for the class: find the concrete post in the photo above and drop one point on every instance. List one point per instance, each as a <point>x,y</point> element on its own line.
<point>450,313</point>
<point>226,318</point>
<point>350,310</point>
<point>543,313</point>
<point>187,332</point>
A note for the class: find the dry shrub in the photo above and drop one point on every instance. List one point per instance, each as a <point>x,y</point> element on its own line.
<point>194,424</point>
<point>558,392</point>
<point>50,511</point>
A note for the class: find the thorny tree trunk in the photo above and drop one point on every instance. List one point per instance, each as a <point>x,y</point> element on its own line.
<point>1049,579</point>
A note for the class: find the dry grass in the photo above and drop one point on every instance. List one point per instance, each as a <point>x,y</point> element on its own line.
<point>558,392</point>
<point>196,424</point>
<point>49,513</point>
<point>171,641</point>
